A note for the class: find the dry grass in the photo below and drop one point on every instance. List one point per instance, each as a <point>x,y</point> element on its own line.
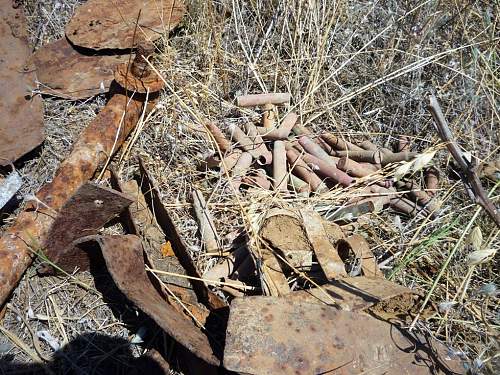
<point>357,68</point>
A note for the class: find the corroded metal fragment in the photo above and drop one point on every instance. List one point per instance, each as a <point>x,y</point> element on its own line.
<point>101,139</point>
<point>82,215</point>
<point>268,335</point>
<point>64,72</point>
<point>125,262</point>
<point>99,24</point>
<point>21,122</point>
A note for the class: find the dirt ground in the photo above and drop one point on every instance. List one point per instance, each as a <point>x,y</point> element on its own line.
<point>363,69</point>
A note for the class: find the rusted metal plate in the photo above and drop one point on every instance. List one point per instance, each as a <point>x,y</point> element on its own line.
<point>102,138</point>
<point>64,72</point>
<point>138,220</point>
<point>100,24</point>
<point>352,293</point>
<point>124,259</point>
<point>361,250</point>
<point>326,253</point>
<point>21,116</point>
<point>269,335</point>
<point>82,215</point>
<point>152,195</point>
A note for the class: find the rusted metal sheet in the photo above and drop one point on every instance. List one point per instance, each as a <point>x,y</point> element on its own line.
<point>153,198</point>
<point>327,255</point>
<point>139,220</point>
<point>66,73</point>
<point>21,117</point>
<point>82,215</point>
<point>102,137</point>
<point>124,259</point>
<point>100,24</point>
<point>268,335</point>
<point>352,293</point>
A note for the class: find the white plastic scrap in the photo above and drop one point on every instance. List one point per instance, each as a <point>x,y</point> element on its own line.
<point>9,187</point>
<point>49,339</point>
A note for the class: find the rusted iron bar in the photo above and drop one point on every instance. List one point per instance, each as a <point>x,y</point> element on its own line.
<point>302,170</point>
<point>282,131</point>
<point>339,144</point>
<point>100,140</point>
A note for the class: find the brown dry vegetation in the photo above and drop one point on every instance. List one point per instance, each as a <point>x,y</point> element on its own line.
<point>362,69</point>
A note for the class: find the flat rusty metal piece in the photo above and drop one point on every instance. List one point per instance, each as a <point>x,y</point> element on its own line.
<point>269,335</point>
<point>82,215</point>
<point>151,82</point>
<point>21,114</point>
<point>100,24</point>
<point>326,253</point>
<point>64,72</point>
<point>125,262</point>
<point>100,140</point>
<point>153,198</point>
<point>352,293</point>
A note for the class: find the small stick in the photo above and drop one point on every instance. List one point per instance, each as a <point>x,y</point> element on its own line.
<point>369,146</point>
<point>303,171</point>
<point>339,144</point>
<point>283,130</point>
<point>207,227</point>
<point>268,116</point>
<point>279,166</point>
<point>373,157</point>
<point>354,168</point>
<point>328,170</point>
<point>219,137</point>
<point>467,168</point>
<point>254,100</point>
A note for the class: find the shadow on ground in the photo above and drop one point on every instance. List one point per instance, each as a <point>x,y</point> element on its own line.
<point>91,353</point>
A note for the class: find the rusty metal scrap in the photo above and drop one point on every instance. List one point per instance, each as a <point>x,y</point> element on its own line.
<point>205,295</point>
<point>327,255</point>
<point>352,293</point>
<point>100,140</point>
<point>21,116</point>
<point>124,259</point>
<point>268,335</point>
<point>67,73</point>
<point>99,24</point>
<point>82,215</point>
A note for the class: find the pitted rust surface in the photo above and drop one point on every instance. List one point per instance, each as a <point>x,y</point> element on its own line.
<point>125,262</point>
<point>98,141</point>
<point>82,215</point>
<point>66,73</point>
<point>127,80</point>
<point>93,147</point>
<point>100,24</point>
<point>268,335</point>
<point>21,120</point>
